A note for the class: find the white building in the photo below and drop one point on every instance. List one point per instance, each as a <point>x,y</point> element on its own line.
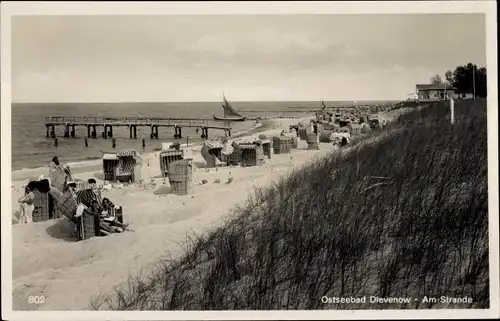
<point>412,96</point>
<point>435,92</point>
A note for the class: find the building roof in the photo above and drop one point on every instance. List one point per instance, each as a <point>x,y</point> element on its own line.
<point>434,87</point>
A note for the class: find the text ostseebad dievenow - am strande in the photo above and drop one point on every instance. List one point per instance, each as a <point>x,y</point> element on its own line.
<point>376,299</point>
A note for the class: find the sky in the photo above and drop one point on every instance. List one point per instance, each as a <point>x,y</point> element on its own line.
<point>248,57</point>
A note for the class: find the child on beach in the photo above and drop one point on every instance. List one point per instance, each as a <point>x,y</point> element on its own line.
<point>27,206</point>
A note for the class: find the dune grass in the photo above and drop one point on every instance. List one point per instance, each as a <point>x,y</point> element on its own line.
<point>402,213</point>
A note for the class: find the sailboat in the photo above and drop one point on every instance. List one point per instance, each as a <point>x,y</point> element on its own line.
<point>229,113</point>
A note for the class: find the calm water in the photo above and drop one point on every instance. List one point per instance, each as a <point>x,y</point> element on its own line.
<point>31,149</point>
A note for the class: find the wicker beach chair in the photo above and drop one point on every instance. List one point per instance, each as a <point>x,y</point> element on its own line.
<point>88,225</point>
<point>88,196</point>
<point>67,204</point>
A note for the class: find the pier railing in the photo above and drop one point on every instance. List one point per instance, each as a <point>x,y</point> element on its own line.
<point>140,121</point>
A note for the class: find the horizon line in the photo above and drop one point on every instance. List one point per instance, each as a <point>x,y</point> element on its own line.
<point>193,101</point>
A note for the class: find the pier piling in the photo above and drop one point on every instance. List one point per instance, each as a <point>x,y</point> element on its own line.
<point>178,132</point>
<point>114,142</point>
<point>56,142</point>
<point>88,131</point>
<point>204,132</point>
<point>110,133</point>
<point>66,131</point>
<point>105,132</point>
<point>73,131</point>
<point>47,128</point>
<point>86,142</point>
<point>144,143</point>
<point>94,132</point>
<point>133,131</point>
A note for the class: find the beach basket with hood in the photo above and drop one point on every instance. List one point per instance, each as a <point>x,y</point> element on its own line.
<point>109,164</point>
<point>180,176</point>
<point>89,223</point>
<point>266,148</point>
<point>129,166</point>
<point>252,154</point>
<point>43,202</point>
<point>41,211</point>
<point>212,153</point>
<point>168,156</point>
<point>282,144</point>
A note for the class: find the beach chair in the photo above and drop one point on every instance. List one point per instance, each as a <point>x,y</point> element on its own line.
<point>251,154</point>
<point>180,176</point>
<point>109,164</point>
<point>88,196</point>
<point>266,148</point>
<point>282,144</point>
<point>41,211</point>
<point>67,204</point>
<point>129,166</point>
<point>88,225</point>
<point>167,157</point>
<point>212,153</point>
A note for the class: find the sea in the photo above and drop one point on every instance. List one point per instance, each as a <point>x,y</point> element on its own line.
<point>32,149</point>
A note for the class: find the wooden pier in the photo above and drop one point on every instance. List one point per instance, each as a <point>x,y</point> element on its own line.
<point>107,123</point>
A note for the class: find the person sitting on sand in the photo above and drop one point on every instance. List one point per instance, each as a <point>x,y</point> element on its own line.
<point>27,206</point>
<point>108,214</point>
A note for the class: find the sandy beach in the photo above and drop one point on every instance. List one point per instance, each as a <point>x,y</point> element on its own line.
<point>47,261</point>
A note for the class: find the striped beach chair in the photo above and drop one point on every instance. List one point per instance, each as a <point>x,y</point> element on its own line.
<point>88,196</point>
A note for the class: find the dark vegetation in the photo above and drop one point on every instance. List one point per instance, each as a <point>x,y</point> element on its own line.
<point>402,213</point>
<point>465,78</point>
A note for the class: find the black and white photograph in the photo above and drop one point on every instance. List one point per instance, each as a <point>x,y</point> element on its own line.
<point>223,157</point>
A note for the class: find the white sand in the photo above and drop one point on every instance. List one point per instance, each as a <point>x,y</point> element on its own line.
<point>47,261</point>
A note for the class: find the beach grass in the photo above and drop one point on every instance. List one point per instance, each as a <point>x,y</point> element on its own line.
<point>402,213</point>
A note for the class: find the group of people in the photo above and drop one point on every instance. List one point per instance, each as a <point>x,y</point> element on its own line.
<point>105,210</point>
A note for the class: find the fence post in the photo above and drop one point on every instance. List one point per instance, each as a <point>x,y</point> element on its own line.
<point>452,111</point>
